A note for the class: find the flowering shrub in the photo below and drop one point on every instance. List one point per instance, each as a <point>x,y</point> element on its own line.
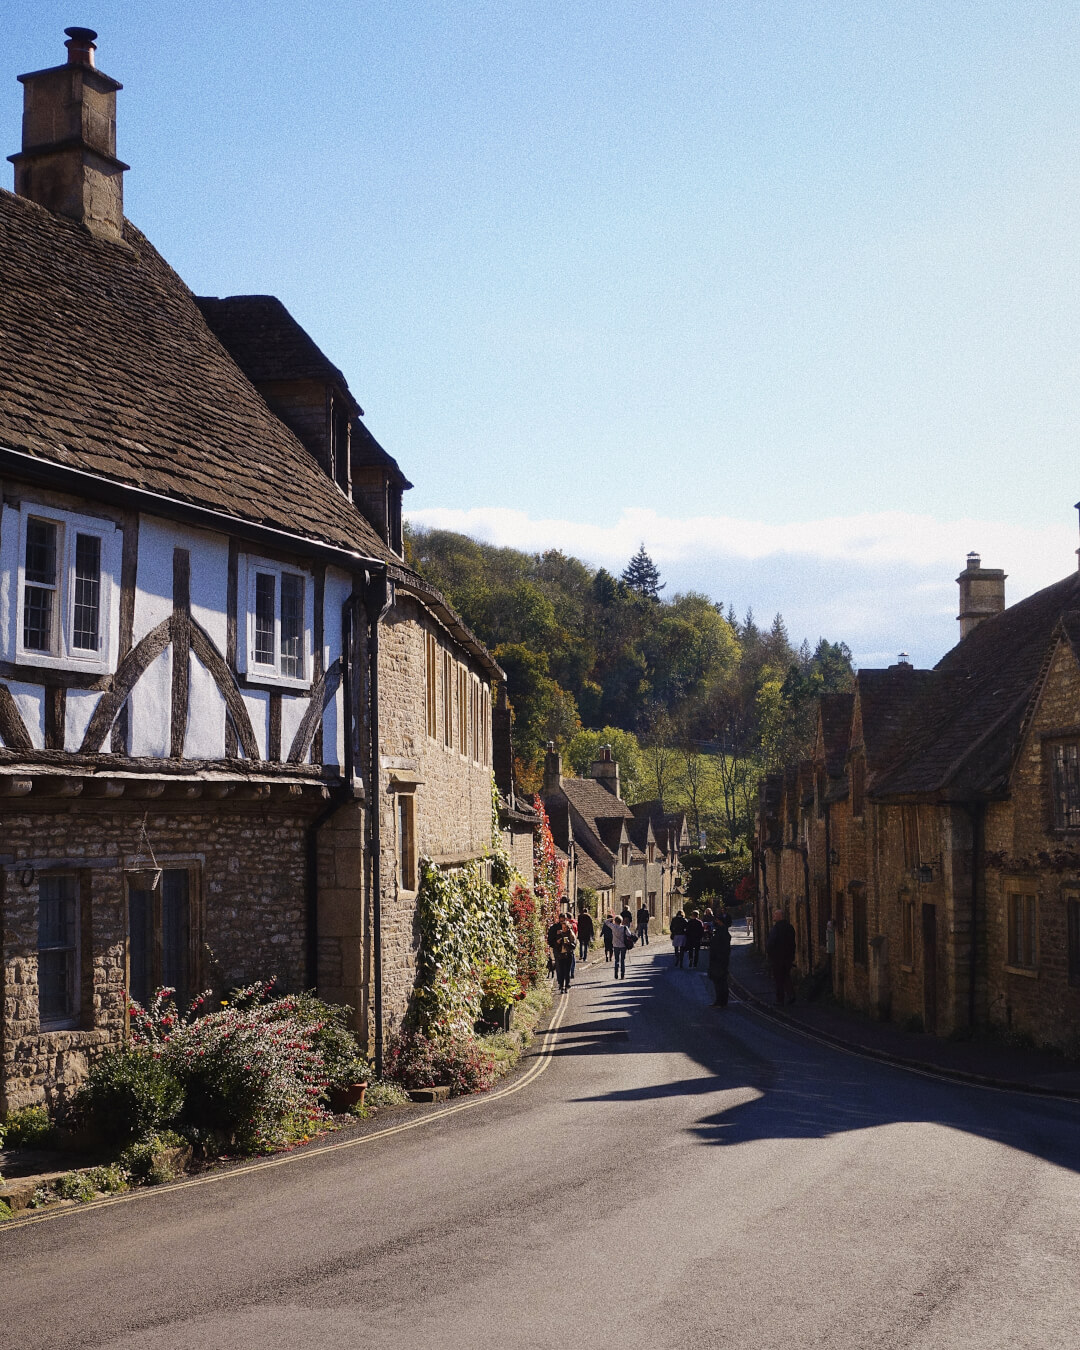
<point>128,1094</point>
<point>529,935</point>
<point>547,867</point>
<point>417,1061</point>
<point>245,1069</point>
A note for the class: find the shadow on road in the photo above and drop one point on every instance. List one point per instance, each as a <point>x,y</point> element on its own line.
<point>803,1090</point>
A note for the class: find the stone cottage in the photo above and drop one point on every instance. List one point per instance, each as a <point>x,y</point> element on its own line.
<point>618,853</point>
<point>232,719</point>
<point>938,827</point>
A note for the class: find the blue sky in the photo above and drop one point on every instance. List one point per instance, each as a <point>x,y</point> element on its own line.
<point>789,290</point>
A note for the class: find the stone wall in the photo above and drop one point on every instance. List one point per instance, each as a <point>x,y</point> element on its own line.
<point>1039,1003</point>
<point>452,791</point>
<point>248,909</point>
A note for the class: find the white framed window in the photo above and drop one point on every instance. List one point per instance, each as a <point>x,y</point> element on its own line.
<point>278,635</point>
<point>67,592</point>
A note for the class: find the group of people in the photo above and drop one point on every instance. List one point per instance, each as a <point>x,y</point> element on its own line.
<point>570,939</point>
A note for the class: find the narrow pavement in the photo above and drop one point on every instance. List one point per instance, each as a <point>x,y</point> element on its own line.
<point>676,1176</point>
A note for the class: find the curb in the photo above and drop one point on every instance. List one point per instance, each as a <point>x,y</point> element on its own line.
<point>921,1066</point>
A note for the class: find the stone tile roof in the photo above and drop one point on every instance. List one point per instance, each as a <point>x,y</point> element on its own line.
<point>973,705</point>
<point>265,340</point>
<point>836,712</point>
<point>109,367</point>
<point>591,874</point>
<point>365,449</point>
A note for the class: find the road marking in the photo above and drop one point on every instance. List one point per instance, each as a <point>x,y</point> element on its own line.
<point>467,1104</point>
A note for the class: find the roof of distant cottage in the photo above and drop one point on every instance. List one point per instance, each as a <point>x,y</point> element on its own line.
<point>109,367</point>
<point>265,340</point>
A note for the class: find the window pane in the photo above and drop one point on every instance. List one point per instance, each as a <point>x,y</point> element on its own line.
<point>140,927</point>
<point>264,618</point>
<point>87,592</point>
<point>292,625</point>
<point>175,932</point>
<point>37,619</point>
<point>1067,786</point>
<point>57,918</point>
<point>41,552</point>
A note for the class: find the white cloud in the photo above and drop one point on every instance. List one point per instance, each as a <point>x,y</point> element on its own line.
<point>882,582</point>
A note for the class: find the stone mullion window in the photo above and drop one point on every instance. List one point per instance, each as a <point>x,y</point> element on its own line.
<point>163,934</point>
<point>1022,913</point>
<point>1065,776</point>
<point>59,976</point>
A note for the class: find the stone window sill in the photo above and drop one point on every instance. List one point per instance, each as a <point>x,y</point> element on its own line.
<point>1028,972</point>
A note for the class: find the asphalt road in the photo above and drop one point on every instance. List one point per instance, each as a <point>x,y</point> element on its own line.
<point>675,1176</point>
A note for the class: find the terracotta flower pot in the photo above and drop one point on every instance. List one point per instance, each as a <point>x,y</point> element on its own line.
<point>344,1098</point>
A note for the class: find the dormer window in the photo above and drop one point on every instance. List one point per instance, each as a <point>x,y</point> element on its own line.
<point>1065,775</point>
<point>280,603</point>
<point>67,570</point>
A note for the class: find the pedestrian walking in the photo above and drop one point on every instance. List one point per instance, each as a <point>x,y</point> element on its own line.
<point>626,916</point>
<point>623,938</point>
<point>643,917</point>
<point>695,932</point>
<point>678,935</point>
<point>780,949</point>
<point>573,951</point>
<point>720,962</point>
<point>585,931</point>
<point>606,930</point>
<point>561,940</point>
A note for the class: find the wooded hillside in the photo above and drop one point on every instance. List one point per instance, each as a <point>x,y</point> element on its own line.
<point>585,651</point>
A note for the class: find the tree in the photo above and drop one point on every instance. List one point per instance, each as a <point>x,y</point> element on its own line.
<point>643,576</point>
<point>585,747</point>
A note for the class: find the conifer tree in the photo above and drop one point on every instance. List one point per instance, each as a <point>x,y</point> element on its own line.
<point>642,575</point>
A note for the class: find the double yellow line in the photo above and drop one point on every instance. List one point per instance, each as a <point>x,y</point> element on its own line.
<point>303,1155</point>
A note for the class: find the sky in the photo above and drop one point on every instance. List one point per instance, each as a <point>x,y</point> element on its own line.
<point>788,290</point>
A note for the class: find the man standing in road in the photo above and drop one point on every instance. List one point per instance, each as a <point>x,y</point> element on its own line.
<point>719,961</point>
<point>643,917</point>
<point>695,931</point>
<point>780,949</point>
<point>585,932</point>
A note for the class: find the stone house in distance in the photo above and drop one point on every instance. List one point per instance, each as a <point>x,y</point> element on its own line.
<point>232,719</point>
<point>938,826</point>
<point>616,849</point>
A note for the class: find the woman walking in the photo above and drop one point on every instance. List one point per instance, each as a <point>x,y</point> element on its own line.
<point>622,938</point>
<point>678,935</point>
<point>606,931</point>
<point>561,939</point>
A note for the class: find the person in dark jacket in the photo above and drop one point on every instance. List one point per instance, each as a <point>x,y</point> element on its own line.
<point>780,949</point>
<point>695,931</point>
<point>719,962</point>
<point>561,940</point>
<point>585,931</point>
<point>643,917</point>
<point>607,933</point>
<point>678,935</point>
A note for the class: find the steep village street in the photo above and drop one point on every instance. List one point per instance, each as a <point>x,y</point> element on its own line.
<point>673,1175</point>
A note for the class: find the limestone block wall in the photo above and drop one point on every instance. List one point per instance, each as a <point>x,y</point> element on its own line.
<point>247,912</point>
<point>452,791</point>
<point>1027,853</point>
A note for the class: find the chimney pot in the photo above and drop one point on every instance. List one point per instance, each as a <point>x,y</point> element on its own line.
<point>982,594</point>
<point>81,46</point>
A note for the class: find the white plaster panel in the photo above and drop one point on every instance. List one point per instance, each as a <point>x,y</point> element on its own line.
<point>292,714</point>
<point>149,704</point>
<point>209,577</point>
<point>205,735</point>
<point>30,701</point>
<point>80,708</point>
<point>258,706</point>
<point>338,588</point>
<point>334,733</point>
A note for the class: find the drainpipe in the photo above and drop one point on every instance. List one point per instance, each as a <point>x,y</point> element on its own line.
<point>809,912</point>
<point>378,597</point>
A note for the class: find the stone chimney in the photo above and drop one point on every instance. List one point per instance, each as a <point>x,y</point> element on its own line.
<point>606,770</point>
<point>552,769</point>
<point>68,159</point>
<point>982,594</point>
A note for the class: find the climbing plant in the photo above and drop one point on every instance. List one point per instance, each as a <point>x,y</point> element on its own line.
<point>547,866</point>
